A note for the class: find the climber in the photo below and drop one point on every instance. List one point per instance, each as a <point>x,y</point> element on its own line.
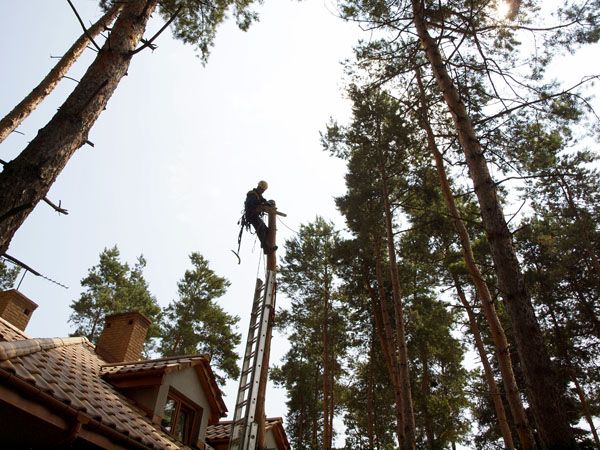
<point>254,207</point>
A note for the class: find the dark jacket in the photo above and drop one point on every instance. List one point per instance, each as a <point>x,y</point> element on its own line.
<point>253,200</point>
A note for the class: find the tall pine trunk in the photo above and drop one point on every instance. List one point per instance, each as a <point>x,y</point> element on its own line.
<point>409,418</point>
<point>386,341</point>
<point>370,394</point>
<point>327,428</point>
<point>22,110</point>
<point>562,347</point>
<point>27,179</point>
<point>485,297</point>
<point>425,393</point>
<point>545,396</point>
<point>487,370</point>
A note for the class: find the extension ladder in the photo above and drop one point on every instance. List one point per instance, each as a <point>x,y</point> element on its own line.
<point>244,428</point>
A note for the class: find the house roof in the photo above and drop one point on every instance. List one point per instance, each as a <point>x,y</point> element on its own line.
<point>64,375</point>
<point>118,372</point>
<point>221,432</point>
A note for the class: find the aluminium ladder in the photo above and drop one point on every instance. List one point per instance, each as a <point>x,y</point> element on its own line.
<point>244,428</point>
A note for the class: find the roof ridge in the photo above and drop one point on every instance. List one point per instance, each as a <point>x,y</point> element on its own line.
<point>146,361</point>
<point>12,349</point>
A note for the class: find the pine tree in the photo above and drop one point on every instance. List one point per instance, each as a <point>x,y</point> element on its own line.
<point>112,287</point>
<point>22,110</point>
<point>316,320</point>
<point>195,323</point>
<point>8,275</point>
<point>26,179</point>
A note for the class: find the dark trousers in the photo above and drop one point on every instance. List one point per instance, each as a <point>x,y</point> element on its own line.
<point>261,229</point>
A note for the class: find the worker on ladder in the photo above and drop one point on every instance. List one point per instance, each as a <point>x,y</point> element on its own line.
<point>254,208</point>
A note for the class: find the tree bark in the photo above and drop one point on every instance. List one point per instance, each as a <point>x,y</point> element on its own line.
<point>485,297</point>
<point>545,396</point>
<point>27,179</point>
<point>22,110</point>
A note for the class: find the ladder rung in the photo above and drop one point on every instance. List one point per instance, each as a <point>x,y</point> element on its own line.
<point>242,404</point>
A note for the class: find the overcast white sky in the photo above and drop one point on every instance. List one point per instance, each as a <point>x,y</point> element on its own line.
<point>179,146</point>
<point>177,149</point>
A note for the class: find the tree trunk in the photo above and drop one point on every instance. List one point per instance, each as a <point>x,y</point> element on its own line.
<point>587,308</point>
<point>409,418</point>
<point>545,396</point>
<point>562,346</point>
<point>326,371</point>
<point>487,370</point>
<point>315,419</point>
<point>27,179</point>
<point>370,400</point>
<point>391,349</point>
<point>487,302</point>
<point>587,238</point>
<point>585,407</point>
<point>425,393</point>
<point>20,112</point>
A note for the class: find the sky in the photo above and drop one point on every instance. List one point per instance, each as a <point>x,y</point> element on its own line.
<point>179,146</point>
<point>176,151</point>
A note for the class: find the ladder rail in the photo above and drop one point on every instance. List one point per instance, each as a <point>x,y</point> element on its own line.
<point>241,406</point>
<point>244,429</point>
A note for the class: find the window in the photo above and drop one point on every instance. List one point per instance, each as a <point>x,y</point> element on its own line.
<point>181,418</point>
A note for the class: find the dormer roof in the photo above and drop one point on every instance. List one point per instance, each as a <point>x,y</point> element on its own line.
<point>150,372</point>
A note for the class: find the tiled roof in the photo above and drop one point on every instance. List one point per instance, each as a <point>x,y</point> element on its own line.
<point>67,371</point>
<point>8,332</point>
<point>152,365</point>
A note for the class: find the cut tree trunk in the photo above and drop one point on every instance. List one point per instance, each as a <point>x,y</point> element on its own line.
<point>544,394</point>
<point>20,112</point>
<point>27,179</point>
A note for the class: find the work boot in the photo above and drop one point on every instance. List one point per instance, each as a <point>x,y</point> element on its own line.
<point>269,250</point>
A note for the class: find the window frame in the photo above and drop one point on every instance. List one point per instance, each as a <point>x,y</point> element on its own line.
<point>192,426</point>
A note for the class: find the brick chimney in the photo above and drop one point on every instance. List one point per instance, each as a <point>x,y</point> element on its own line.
<point>16,308</point>
<point>122,338</point>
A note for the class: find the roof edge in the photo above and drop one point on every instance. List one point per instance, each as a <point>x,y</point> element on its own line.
<point>13,349</point>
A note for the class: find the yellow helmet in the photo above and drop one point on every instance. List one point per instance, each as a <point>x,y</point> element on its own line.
<point>262,184</point>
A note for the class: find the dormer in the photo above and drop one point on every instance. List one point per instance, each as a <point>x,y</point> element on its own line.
<point>179,394</point>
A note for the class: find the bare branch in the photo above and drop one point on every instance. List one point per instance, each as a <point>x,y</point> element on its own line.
<point>148,43</point>
<point>83,26</point>
<point>59,209</point>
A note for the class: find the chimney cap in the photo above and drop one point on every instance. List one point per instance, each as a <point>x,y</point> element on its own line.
<point>12,293</point>
<point>131,314</point>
